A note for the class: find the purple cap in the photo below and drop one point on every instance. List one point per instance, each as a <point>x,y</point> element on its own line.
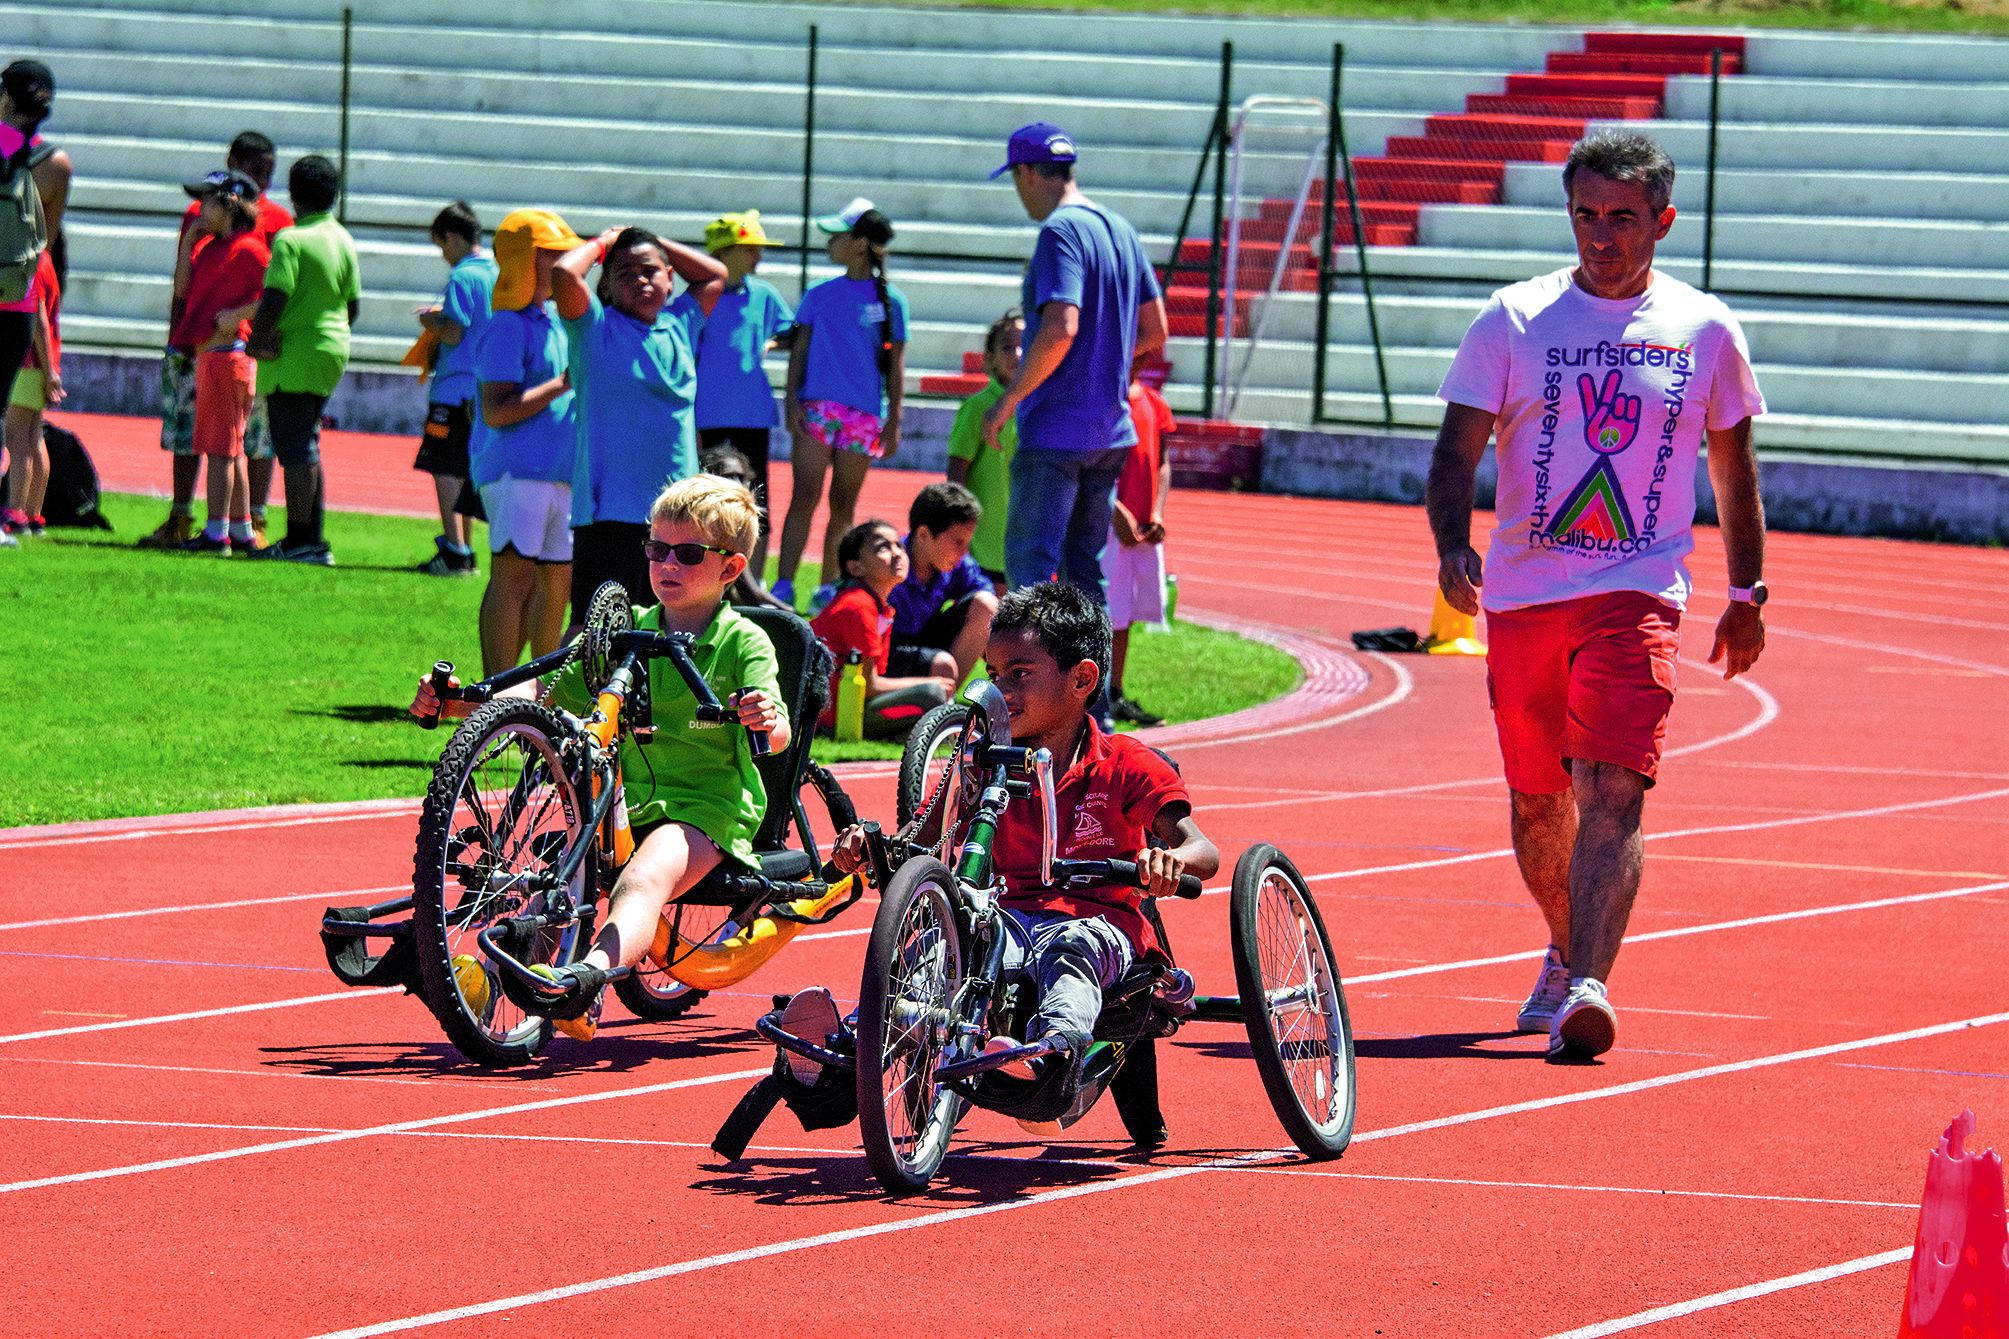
<point>1040,142</point>
<point>223,181</point>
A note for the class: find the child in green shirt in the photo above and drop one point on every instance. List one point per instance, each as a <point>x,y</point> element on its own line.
<point>979,468</point>
<point>694,796</point>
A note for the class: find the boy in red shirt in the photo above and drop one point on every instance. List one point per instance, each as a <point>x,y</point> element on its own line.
<point>37,386</point>
<point>859,618</point>
<point>1112,793</point>
<point>1133,561</point>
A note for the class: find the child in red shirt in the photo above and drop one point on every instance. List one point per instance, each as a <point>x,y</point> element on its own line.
<point>860,619</point>
<point>1133,561</point>
<point>37,386</point>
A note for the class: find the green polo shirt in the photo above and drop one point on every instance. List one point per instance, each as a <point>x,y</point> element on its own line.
<point>702,775</point>
<point>314,265</point>
<point>990,472</point>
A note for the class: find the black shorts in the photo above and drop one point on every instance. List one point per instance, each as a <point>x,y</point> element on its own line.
<point>443,443</point>
<point>914,657</point>
<point>295,419</point>
<point>609,551</point>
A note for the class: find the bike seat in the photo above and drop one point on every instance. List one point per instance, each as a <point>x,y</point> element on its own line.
<point>786,866</point>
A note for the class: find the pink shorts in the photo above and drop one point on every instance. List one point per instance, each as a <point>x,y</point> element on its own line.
<point>1589,678</point>
<point>842,428</point>
<point>224,381</point>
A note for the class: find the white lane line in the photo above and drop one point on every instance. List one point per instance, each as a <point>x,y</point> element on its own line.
<point>202,1013</point>
<point>175,1124</point>
<point>1732,1296</point>
<point>330,898</point>
<point>1885,648</point>
<point>1656,1191</point>
<point>1047,1197</point>
<point>403,808</point>
<point>1838,869</point>
<point>1937,620</point>
<point>368,1132</point>
<point>231,1073</point>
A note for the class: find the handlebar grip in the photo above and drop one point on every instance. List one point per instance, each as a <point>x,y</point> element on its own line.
<point>756,740</point>
<point>442,686</point>
<point>1127,871</point>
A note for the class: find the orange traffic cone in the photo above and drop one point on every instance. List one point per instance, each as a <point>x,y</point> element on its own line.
<point>1959,1284</point>
<point>1452,633</point>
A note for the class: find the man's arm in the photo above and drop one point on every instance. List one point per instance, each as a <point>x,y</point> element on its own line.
<point>1059,323</point>
<point>1740,511</point>
<point>1151,329</point>
<point>1454,469</point>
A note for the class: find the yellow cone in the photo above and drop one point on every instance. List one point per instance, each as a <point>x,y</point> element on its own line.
<point>1452,633</point>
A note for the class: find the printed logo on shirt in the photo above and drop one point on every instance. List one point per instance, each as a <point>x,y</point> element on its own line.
<point>1087,826</point>
<point>872,313</point>
<point>1594,519</point>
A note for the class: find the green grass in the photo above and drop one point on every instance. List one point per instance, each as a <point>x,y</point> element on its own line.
<point>1978,16</point>
<point>145,683</point>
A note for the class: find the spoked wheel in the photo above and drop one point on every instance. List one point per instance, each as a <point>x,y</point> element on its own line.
<point>908,1025</point>
<point>1292,1002</point>
<point>931,750</point>
<point>652,993</point>
<point>499,818</point>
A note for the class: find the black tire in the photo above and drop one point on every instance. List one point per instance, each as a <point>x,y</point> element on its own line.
<point>500,806</point>
<point>1293,1002</point>
<point>931,746</point>
<point>908,1025</point>
<point>653,994</point>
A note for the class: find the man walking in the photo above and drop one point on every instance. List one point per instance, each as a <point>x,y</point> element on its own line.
<point>1092,306</point>
<point>1600,382</point>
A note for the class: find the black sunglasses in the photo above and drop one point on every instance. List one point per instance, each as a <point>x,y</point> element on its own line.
<point>688,554</point>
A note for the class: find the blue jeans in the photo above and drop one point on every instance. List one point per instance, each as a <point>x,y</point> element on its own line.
<point>1059,516</point>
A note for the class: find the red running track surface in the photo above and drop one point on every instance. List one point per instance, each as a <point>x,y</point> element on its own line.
<point>209,1136</point>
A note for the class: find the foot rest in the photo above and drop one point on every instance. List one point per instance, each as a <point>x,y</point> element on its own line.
<point>345,937</point>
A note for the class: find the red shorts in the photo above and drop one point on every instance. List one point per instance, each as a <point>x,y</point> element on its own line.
<point>224,381</point>
<point>1589,678</point>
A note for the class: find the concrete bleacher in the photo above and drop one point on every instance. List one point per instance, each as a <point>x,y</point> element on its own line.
<point>1862,199</point>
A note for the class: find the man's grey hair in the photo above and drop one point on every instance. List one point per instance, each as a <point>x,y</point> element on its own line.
<point>1623,155</point>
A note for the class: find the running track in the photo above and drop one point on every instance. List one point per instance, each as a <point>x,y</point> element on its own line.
<point>209,1136</point>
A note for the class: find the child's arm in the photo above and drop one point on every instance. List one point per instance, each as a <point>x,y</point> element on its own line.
<point>507,403</point>
<point>758,711</point>
<point>426,703</point>
<point>1128,531</point>
<point>264,340</point>
<point>704,277</point>
<point>1154,529</point>
<point>227,323</point>
<point>38,336</point>
<point>1186,851</point>
<point>877,683</point>
<point>798,365</point>
<point>568,276</point>
<point>896,393</point>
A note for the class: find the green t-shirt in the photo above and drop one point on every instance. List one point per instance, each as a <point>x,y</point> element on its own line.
<point>702,775</point>
<point>314,265</point>
<point>990,472</point>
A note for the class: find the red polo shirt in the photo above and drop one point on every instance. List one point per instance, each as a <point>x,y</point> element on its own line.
<point>857,620</point>
<point>1106,802</point>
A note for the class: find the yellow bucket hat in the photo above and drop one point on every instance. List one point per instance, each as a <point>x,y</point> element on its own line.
<point>736,230</point>
<point>518,239</point>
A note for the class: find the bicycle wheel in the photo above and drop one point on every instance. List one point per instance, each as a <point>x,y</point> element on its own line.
<point>651,993</point>
<point>908,1025</point>
<point>931,748</point>
<point>500,813</point>
<point>1293,1003</point>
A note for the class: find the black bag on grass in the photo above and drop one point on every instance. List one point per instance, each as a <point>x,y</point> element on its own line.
<point>73,482</point>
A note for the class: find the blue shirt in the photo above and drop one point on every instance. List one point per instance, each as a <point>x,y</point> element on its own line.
<point>733,391</point>
<point>915,602</point>
<point>525,348</point>
<point>1095,261</point>
<point>636,385</point>
<point>844,317</point>
<point>465,303</point>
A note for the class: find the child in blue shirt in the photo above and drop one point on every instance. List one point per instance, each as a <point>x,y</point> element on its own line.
<point>942,611</point>
<point>846,374</point>
<point>456,321</point>
<point>634,367</point>
<point>735,402</point>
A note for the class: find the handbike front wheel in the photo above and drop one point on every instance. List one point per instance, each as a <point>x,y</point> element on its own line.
<point>499,818</point>
<point>930,752</point>
<point>1293,1002</point>
<point>908,1025</point>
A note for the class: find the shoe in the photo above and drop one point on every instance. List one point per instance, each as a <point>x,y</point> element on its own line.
<point>784,591</point>
<point>821,599</point>
<point>1586,1025</point>
<point>8,541</point>
<point>1123,709</point>
<point>313,555</point>
<point>476,987</point>
<point>258,531</point>
<point>577,1014</point>
<point>38,525</point>
<point>172,533</point>
<point>1547,997</point>
<point>15,521</point>
<point>1175,991</point>
<point>447,563</point>
<point>204,544</point>
<point>1017,1069</point>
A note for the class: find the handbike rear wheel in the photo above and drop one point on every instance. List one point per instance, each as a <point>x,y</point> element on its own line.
<point>1293,1002</point>
<point>908,1025</point>
<point>651,993</point>
<point>501,814</point>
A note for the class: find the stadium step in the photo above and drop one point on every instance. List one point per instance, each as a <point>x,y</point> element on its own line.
<point>1514,150</point>
<point>1589,85</point>
<point>1656,62</point>
<point>1469,171</point>
<point>1653,43</point>
<point>1603,109</point>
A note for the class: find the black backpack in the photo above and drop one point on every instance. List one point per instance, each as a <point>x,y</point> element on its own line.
<point>73,482</point>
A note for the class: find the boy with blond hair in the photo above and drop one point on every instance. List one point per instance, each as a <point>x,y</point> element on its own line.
<point>694,796</point>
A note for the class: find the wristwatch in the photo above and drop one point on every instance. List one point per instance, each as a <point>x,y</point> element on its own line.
<point>1754,594</point>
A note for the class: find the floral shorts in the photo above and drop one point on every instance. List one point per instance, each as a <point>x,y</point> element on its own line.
<point>842,428</point>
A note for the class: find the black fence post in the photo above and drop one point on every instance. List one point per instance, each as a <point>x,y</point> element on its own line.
<point>1360,245</point>
<point>1328,222</point>
<point>342,151</point>
<point>1214,243</point>
<point>808,160</point>
<point>1709,189</point>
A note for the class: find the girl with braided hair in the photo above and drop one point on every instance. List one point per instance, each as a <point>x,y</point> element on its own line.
<point>846,369</point>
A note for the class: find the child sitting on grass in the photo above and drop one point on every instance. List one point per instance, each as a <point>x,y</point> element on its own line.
<point>860,619</point>
<point>942,610</point>
<point>1047,648</point>
<point>694,796</point>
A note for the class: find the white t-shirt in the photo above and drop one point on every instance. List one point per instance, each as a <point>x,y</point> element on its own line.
<point>1600,407</point>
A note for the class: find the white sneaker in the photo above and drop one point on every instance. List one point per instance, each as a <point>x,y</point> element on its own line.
<point>1550,988</point>
<point>1586,1025</point>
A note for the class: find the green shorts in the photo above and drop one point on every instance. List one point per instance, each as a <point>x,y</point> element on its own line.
<point>177,411</point>
<point>29,388</point>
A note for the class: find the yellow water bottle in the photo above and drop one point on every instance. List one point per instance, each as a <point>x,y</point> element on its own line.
<point>851,698</point>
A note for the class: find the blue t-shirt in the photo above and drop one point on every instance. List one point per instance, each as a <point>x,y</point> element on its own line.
<point>733,391</point>
<point>844,317</point>
<point>525,348</point>
<point>465,303</point>
<point>636,384</point>
<point>915,602</point>
<point>1094,260</point>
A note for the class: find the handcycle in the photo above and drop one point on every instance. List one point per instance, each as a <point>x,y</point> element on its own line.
<point>935,990</point>
<point>525,826</point>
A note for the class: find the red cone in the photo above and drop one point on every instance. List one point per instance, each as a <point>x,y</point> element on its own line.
<point>1959,1285</point>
